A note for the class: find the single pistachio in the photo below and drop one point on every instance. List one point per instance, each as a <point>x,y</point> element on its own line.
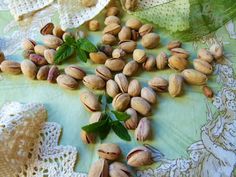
<point>139,157</point>
<point>205,55</point>
<point>150,40</point>
<point>109,151</point>
<point>122,82</point>
<point>2,57</point>
<point>28,44</point>
<point>111,19</point>
<point>95,117</point>
<point>131,68</point>
<point>88,3</point>
<point>94,82</point>
<point>52,41</point>
<point>143,131</point>
<point>159,84</point>
<point>217,51</point>
<point>118,53</point>
<point>38,59</point>
<point>39,49</point>
<point>57,31</point>
<point>43,72</point>
<point>78,34</point>
<point>109,39</point>
<point>207,91</point>
<point>124,34</point>
<point>49,55</point>
<point>128,46</point>
<point>175,85</point>
<point>194,77</point>
<point>174,44</point>
<point>112,11</point>
<point>131,4</point>
<point>93,25</point>
<point>99,169</point>
<point>177,63</point>
<point>11,67</point>
<point>150,63</point>
<point>149,95</point>
<point>134,35</point>
<point>115,64</point>
<point>112,28</point>
<point>132,122</point>
<point>26,53</point>
<point>141,106</point>
<point>67,82</point>
<point>112,88</point>
<point>29,69</point>
<point>103,72</point>
<point>98,57</point>
<point>90,101</point>
<point>134,88</point>
<point>179,52</point>
<point>47,29</point>
<point>75,72</point>
<point>117,169</point>
<point>53,73</point>
<point>87,138</point>
<point>139,55</point>
<point>107,49</point>
<point>67,34</point>
<point>133,23</point>
<point>202,66</point>
<point>145,29</point>
<point>121,101</point>
<point>161,61</point>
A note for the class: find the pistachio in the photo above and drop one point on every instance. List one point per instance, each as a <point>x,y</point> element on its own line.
<point>112,88</point>
<point>217,51</point>
<point>122,82</point>
<point>205,55</point>
<point>133,23</point>
<point>159,84</point>
<point>130,4</point>
<point>121,101</point>
<point>90,101</point>
<point>103,72</point>
<point>112,28</point>
<point>145,29</point>
<point>109,151</point>
<point>117,169</point>
<point>28,44</point>
<point>134,35</point>
<point>10,67</point>
<point>179,52</point>
<point>149,95</point>
<point>87,138</point>
<point>177,63</point>
<point>139,156</point>
<point>88,3</point>
<point>94,82</point>
<point>132,122</point>
<point>67,82</point>
<point>98,57</point>
<point>49,55</point>
<point>194,77</point>
<point>149,64</point>
<point>128,46</point>
<point>131,68</point>
<point>150,40</point>
<point>161,60</point>
<point>202,66</point>
<point>47,29</point>
<point>39,49</point>
<point>143,131</point>
<point>66,35</point>
<point>111,19</point>
<point>53,73</point>
<point>28,68</point>
<point>139,55</point>
<point>134,88</point>
<point>109,39</point>
<point>118,53</point>
<point>80,34</point>
<point>113,11</point>
<point>75,72</point>
<point>38,59</point>
<point>43,72</point>
<point>207,91</point>
<point>26,53</point>
<point>95,117</point>
<point>124,34</point>
<point>99,169</point>
<point>174,44</point>
<point>115,64</point>
<point>107,49</point>
<point>52,41</point>
<point>57,31</point>
<point>2,57</point>
<point>175,85</point>
<point>93,25</point>
<point>141,106</point>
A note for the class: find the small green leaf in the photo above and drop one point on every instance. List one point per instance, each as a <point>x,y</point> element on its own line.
<point>120,130</point>
<point>70,40</point>
<point>95,127</point>
<point>121,116</point>
<point>100,98</point>
<point>109,99</point>
<point>81,55</point>
<point>64,52</point>
<point>86,45</point>
<point>105,129</point>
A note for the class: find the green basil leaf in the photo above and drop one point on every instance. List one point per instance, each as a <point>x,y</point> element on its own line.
<point>86,45</point>
<point>109,99</point>
<point>64,52</point>
<point>95,127</point>
<point>120,130</point>
<point>100,98</point>
<point>81,55</point>
<point>70,40</point>
<point>105,129</point>
<point>121,116</point>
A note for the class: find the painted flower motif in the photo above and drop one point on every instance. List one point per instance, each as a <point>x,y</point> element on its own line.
<point>229,94</point>
<point>217,102</point>
<point>146,173</point>
<point>227,70</point>
<point>231,104</point>
<point>230,82</point>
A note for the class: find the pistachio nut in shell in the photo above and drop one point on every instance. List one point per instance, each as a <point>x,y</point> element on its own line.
<point>179,52</point>
<point>132,122</point>
<point>109,39</point>
<point>52,41</point>
<point>134,88</point>
<point>87,138</point>
<point>115,64</point>
<point>175,87</point>
<point>217,51</point>
<point>128,46</point>
<point>150,63</point>
<point>99,169</point>
<point>109,151</point>
<point>130,4</point>
<point>95,117</point>
<point>29,69</point>
<point>39,49</point>
<point>75,72</point>
<point>94,82</point>
<point>43,72</point>
<point>112,28</point>
<point>47,29</point>
<point>131,68</point>
<point>38,59</point>
<point>174,44</point>
<point>139,55</point>
<point>143,131</point>
<point>194,77</point>
<point>49,55</point>
<point>118,53</point>
<point>202,66</point>
<point>208,92</point>
<point>111,19</point>
<point>149,95</point>
<point>57,31</point>
<point>98,57</point>
<point>161,60</point>
<point>121,101</point>
<point>141,106</point>
<point>177,63</point>
<point>103,72</point>
<point>90,101</point>
<point>28,44</point>
<point>124,34</point>
<point>139,156</point>
<point>53,73</point>
<point>134,35</point>
<point>114,11</point>
<point>26,53</point>
<point>11,67</point>
<point>118,169</point>
<point>93,25</point>
<point>122,82</point>
<point>150,40</point>
<point>112,89</point>
<point>67,82</point>
<point>159,84</point>
<point>145,29</point>
<point>133,23</point>
<point>205,55</point>
<point>107,49</point>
